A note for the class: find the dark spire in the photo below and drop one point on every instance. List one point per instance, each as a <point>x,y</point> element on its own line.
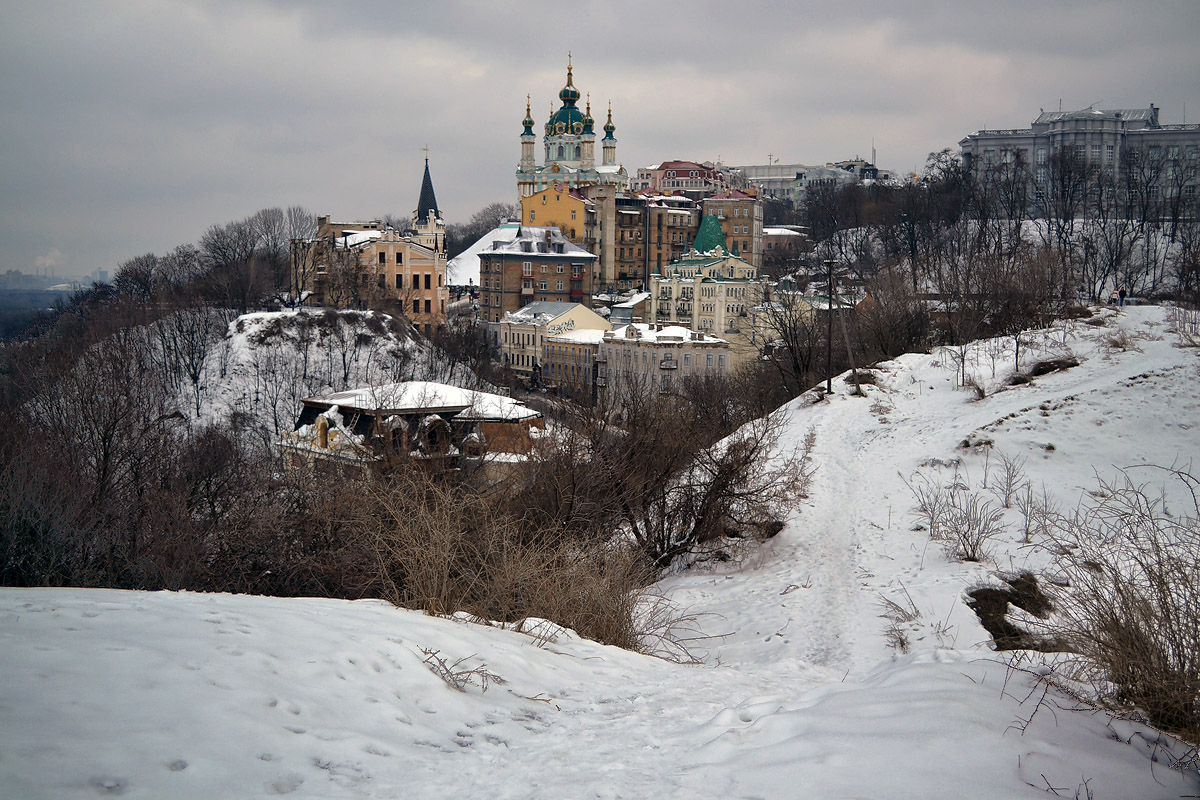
<point>427,202</point>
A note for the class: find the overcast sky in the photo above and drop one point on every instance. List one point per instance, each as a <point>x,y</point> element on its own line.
<point>130,127</point>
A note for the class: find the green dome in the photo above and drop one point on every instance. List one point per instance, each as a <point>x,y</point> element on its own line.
<point>528,121</point>
<point>569,94</point>
<point>568,119</point>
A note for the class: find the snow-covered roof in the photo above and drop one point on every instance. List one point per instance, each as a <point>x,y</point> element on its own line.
<point>533,241</point>
<point>633,300</point>
<point>646,332</point>
<point>585,336</point>
<point>464,267</point>
<point>544,310</point>
<point>409,396</point>
<point>355,238</point>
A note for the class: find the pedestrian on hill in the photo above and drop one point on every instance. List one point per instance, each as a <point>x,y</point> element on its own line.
<point>1121,297</point>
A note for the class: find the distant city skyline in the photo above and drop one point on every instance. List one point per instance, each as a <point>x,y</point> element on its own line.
<point>132,127</point>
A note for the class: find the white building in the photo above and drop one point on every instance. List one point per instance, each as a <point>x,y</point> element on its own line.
<point>657,358</point>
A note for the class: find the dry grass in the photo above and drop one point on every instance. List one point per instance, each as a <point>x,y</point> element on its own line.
<point>1129,609</point>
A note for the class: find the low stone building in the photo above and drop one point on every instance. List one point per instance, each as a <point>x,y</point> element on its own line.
<point>523,332</point>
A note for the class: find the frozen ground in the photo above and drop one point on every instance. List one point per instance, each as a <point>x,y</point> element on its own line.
<point>797,694</point>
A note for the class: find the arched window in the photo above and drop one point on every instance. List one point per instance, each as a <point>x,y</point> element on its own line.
<point>576,152</point>
<point>560,151</point>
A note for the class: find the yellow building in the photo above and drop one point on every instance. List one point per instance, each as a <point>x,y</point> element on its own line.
<point>563,207</point>
<point>370,264</point>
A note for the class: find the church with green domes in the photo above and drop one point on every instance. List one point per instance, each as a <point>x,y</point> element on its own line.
<point>570,148</point>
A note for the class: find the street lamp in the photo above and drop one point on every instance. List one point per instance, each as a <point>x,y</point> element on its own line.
<point>829,330</point>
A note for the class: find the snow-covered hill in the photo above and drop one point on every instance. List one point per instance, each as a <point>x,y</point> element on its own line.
<point>267,362</point>
<point>797,692</point>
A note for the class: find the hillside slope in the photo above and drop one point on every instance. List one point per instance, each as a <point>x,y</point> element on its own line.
<point>796,692</point>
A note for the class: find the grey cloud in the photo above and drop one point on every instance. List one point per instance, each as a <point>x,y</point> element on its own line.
<point>132,127</point>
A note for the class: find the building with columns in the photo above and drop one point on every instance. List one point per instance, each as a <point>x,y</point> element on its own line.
<point>569,147</point>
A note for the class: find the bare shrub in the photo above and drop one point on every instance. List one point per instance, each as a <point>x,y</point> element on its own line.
<point>457,676</point>
<point>1129,609</point>
<point>970,524</point>
<point>1118,340</point>
<point>1038,512</point>
<point>442,549</point>
<point>1009,479</point>
<point>976,386</point>
<point>900,614</point>
<point>1185,322</point>
<point>932,502</point>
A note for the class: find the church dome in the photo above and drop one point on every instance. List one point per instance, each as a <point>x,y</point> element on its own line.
<point>588,122</point>
<point>569,94</point>
<point>568,119</point>
<point>528,121</point>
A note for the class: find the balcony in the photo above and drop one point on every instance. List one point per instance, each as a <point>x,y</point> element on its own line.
<point>527,291</point>
<point>669,363</point>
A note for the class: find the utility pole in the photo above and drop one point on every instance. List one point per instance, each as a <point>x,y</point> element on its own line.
<point>829,330</point>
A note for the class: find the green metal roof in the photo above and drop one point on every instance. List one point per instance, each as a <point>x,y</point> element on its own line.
<point>709,237</point>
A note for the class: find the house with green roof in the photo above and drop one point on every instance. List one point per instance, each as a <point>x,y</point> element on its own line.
<point>710,290</point>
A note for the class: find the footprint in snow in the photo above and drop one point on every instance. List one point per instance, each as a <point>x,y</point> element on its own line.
<point>109,785</point>
<point>284,784</point>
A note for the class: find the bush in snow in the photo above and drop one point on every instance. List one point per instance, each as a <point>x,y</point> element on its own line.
<point>1130,599</point>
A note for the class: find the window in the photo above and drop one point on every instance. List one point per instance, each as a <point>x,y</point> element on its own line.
<point>429,308</point>
<point>687,359</point>
<point>399,257</point>
<point>559,286</point>
<point>1040,158</point>
<point>559,269</point>
<point>428,280</point>
<point>399,281</point>
<point>1108,154</point>
<point>440,278</point>
<point>1095,154</point>
<point>527,269</point>
<point>708,360</point>
<point>572,214</point>
<point>1173,152</point>
<point>416,306</point>
<point>542,285</point>
<point>532,214</point>
<point>721,361</point>
<point>382,258</point>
